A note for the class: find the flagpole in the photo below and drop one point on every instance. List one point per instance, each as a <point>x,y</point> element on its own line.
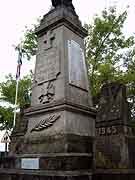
<point>16,96</point>
<point>19,63</point>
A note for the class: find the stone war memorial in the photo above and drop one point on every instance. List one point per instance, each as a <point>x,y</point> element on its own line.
<point>61,136</point>
<point>54,138</point>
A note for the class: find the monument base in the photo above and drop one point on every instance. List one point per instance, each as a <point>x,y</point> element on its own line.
<point>14,174</point>
<point>53,166</point>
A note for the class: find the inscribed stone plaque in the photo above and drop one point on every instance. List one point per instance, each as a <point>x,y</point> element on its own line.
<point>77,65</point>
<point>30,163</point>
<point>47,65</point>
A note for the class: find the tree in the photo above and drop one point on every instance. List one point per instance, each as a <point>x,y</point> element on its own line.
<point>6,118</point>
<point>107,48</point>
<point>28,44</point>
<point>110,55</point>
<point>8,91</point>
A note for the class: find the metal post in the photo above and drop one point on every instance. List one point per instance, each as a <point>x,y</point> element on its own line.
<point>6,143</point>
<point>16,96</point>
<point>6,147</point>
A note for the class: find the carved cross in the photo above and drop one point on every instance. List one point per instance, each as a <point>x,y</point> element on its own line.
<point>49,39</point>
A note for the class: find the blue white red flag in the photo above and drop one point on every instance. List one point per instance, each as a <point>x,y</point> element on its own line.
<point>19,64</point>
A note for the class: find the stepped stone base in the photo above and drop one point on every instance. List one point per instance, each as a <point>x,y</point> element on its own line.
<point>14,174</point>
<point>53,166</point>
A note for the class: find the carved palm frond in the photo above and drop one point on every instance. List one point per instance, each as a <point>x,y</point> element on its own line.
<point>46,123</point>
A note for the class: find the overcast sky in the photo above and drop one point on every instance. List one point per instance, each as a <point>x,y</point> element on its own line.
<point>16,14</point>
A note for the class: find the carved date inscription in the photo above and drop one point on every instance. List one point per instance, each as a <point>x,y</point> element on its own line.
<point>103,131</point>
<point>47,66</point>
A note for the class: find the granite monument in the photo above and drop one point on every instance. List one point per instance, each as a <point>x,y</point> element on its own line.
<point>58,138</point>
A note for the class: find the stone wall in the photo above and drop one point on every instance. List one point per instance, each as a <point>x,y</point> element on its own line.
<point>115,139</point>
<point>111,174</point>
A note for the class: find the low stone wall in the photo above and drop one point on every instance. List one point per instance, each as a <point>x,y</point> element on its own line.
<point>100,174</point>
<point>111,174</point>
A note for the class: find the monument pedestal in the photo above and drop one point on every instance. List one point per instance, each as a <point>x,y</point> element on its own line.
<point>59,138</point>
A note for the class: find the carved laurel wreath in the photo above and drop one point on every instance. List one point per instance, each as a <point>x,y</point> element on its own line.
<point>46,123</point>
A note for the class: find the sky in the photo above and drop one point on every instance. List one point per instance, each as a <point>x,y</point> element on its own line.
<point>15,15</point>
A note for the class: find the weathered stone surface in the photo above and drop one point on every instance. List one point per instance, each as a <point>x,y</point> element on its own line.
<point>113,131</point>
<point>62,84</point>
<point>61,16</point>
<point>46,123</point>
<point>113,104</point>
<point>17,136</point>
<point>47,66</point>
<point>77,91</point>
<point>131,151</point>
<point>47,93</point>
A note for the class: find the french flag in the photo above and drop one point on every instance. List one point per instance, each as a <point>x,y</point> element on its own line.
<point>19,64</point>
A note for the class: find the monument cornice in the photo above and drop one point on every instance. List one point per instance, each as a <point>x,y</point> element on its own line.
<point>61,105</point>
<point>58,17</point>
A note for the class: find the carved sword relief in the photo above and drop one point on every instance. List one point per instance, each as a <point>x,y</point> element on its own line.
<point>47,93</point>
<point>46,123</point>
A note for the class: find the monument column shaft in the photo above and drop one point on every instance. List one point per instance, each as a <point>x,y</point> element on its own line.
<point>61,100</point>
<point>61,118</point>
<point>64,67</point>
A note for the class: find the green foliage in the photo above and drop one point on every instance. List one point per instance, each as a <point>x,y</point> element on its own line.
<point>100,160</point>
<point>110,55</point>
<point>29,43</point>
<point>103,162</point>
<point>28,47</point>
<point>6,118</point>
<point>8,90</point>
<point>107,48</point>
